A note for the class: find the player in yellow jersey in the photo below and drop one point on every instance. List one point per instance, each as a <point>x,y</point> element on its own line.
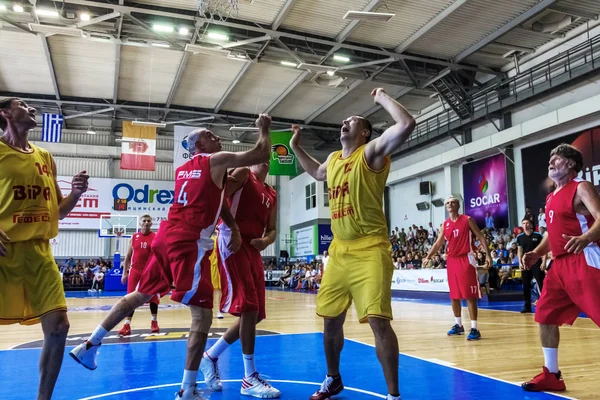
<point>31,289</point>
<point>215,277</point>
<point>360,264</point>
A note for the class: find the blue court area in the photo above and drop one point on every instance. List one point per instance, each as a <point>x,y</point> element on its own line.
<point>293,363</point>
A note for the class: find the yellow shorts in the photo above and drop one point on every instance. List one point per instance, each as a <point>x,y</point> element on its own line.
<point>359,270</point>
<point>215,276</point>
<point>30,283</point>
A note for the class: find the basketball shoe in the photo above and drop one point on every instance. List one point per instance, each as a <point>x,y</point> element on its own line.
<point>210,370</point>
<point>474,334</point>
<point>330,387</point>
<point>85,354</point>
<point>545,381</point>
<point>125,330</point>
<point>456,330</point>
<point>190,393</point>
<point>255,386</point>
<point>154,327</point>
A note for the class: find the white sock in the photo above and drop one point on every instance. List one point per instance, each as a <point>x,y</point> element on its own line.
<point>189,379</point>
<point>551,359</point>
<point>473,324</point>
<point>217,349</point>
<point>249,366</point>
<point>127,321</point>
<point>458,320</point>
<point>154,318</point>
<point>98,335</point>
<point>390,397</point>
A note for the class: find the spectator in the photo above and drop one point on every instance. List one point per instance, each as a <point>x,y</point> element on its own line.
<point>542,218</point>
<point>325,259</point>
<point>529,216</point>
<point>431,233</point>
<point>489,221</point>
<point>483,271</point>
<point>98,282</point>
<point>402,238</point>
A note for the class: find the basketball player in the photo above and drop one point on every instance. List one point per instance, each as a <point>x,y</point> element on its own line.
<point>135,262</point>
<point>215,276</point>
<point>31,203</point>
<point>360,264</point>
<point>182,246</point>
<point>572,285</point>
<point>461,265</point>
<point>253,204</point>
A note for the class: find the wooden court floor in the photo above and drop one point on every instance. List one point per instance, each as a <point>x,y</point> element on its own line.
<point>509,348</point>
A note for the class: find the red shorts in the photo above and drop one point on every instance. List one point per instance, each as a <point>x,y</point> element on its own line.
<point>242,279</point>
<point>462,278</point>
<point>132,282</point>
<point>177,259</point>
<point>571,286</point>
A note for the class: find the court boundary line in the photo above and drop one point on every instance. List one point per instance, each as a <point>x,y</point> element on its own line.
<point>464,370</point>
<point>99,396</point>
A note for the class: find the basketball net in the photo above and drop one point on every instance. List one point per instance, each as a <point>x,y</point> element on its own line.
<point>218,10</point>
<point>119,234</point>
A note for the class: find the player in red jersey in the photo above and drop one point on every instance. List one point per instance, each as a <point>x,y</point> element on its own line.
<point>253,203</point>
<point>572,284</point>
<point>182,246</point>
<point>135,262</point>
<point>461,265</point>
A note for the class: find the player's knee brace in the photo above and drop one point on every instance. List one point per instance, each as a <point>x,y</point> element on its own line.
<point>201,319</point>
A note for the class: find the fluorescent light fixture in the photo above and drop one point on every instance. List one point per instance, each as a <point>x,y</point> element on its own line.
<point>18,8</point>
<point>149,123</point>
<point>317,67</point>
<point>331,72</point>
<point>197,49</point>
<point>218,36</point>
<point>235,141</point>
<point>162,28</point>
<point>289,64</point>
<point>84,16</point>
<point>184,31</point>
<point>368,16</point>
<point>341,58</point>
<point>58,30</point>
<point>2,7</point>
<point>164,45</point>
<point>91,131</point>
<point>243,128</point>
<point>46,13</point>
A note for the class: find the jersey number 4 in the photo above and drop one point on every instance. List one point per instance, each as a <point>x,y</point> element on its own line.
<point>182,198</point>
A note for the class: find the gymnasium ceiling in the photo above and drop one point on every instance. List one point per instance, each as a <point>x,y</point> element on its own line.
<point>117,66</point>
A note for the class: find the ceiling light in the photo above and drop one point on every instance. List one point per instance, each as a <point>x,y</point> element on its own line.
<point>84,16</point>
<point>184,31</point>
<point>289,64</point>
<point>149,123</point>
<point>244,128</point>
<point>18,8</point>
<point>235,141</point>
<point>331,72</point>
<point>2,7</point>
<point>341,58</point>
<point>368,16</point>
<point>197,49</point>
<point>91,131</point>
<point>162,28</point>
<point>218,36</point>
<point>46,13</point>
<point>164,45</point>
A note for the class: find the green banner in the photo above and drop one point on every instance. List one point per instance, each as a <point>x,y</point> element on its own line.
<point>283,159</point>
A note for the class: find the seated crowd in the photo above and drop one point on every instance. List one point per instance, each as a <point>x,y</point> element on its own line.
<point>302,276</point>
<point>79,275</point>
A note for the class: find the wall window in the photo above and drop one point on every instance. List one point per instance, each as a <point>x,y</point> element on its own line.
<point>311,196</point>
<point>325,194</point>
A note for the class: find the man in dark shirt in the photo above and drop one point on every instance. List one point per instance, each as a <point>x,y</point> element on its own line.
<point>528,241</point>
<point>529,216</point>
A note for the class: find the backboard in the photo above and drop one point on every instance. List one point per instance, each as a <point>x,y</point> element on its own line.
<point>115,225</point>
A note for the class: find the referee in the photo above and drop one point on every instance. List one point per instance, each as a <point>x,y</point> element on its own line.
<point>528,241</point>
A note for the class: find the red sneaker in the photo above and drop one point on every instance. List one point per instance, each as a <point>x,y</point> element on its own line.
<point>154,327</point>
<point>545,381</point>
<point>125,330</point>
<point>329,387</point>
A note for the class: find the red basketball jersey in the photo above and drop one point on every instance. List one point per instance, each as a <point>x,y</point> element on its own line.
<point>198,200</point>
<point>251,206</point>
<point>141,245</point>
<point>458,235</point>
<point>562,219</point>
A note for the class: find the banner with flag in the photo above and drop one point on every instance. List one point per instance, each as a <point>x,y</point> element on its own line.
<point>283,159</point>
<point>52,125</point>
<point>138,149</point>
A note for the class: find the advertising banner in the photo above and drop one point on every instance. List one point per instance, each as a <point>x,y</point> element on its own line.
<point>283,160</point>
<point>421,280</point>
<point>535,165</point>
<point>304,242</point>
<point>143,197</point>
<point>325,237</point>
<point>485,190</point>
<point>180,149</point>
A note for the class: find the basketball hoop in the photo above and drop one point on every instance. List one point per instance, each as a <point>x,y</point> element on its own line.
<point>218,10</point>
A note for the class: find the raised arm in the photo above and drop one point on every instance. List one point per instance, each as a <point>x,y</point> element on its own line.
<point>378,149</point>
<point>309,164</point>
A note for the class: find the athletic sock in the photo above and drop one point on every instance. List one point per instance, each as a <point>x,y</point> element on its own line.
<point>217,349</point>
<point>393,397</point>
<point>551,359</point>
<point>249,366</point>
<point>154,318</point>
<point>473,324</point>
<point>189,379</point>
<point>96,337</point>
<point>458,320</point>
<point>127,321</point>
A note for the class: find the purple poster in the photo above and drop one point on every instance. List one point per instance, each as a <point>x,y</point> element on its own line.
<point>484,188</point>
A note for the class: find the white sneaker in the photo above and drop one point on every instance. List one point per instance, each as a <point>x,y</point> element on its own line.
<point>190,393</point>
<point>219,315</point>
<point>210,370</point>
<point>255,386</point>
<point>390,397</point>
<point>85,354</point>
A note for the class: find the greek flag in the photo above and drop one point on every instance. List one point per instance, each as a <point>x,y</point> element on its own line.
<point>52,125</point>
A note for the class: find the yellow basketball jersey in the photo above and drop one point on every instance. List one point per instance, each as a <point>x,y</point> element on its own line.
<point>28,200</point>
<point>356,196</point>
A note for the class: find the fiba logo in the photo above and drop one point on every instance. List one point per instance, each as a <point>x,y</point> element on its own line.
<point>184,144</point>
